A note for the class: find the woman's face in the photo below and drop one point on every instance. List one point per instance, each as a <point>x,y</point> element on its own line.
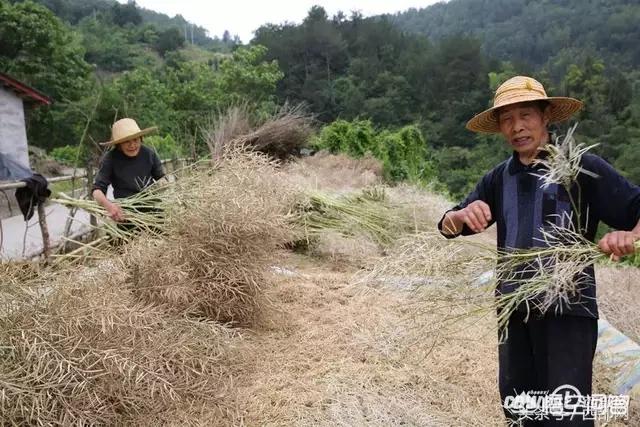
<point>131,148</point>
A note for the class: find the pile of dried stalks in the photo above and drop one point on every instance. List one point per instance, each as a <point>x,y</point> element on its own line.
<point>335,172</point>
<point>223,230</point>
<point>280,136</point>
<point>225,128</point>
<point>82,351</point>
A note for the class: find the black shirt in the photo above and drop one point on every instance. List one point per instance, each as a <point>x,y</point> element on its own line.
<point>128,175</point>
<point>520,207</point>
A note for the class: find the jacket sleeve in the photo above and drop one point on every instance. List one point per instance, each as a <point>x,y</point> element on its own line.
<point>105,174</point>
<point>485,191</point>
<point>615,199</point>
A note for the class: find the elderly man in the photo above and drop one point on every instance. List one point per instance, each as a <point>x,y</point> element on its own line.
<point>550,351</point>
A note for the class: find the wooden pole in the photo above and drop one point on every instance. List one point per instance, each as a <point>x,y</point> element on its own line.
<point>93,221</point>
<point>46,241</point>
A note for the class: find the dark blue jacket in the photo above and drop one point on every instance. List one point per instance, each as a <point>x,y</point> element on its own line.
<point>520,207</point>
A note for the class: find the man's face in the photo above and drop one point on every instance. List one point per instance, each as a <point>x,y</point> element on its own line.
<point>131,148</point>
<point>524,127</point>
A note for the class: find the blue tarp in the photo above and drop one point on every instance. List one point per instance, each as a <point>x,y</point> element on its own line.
<point>12,170</point>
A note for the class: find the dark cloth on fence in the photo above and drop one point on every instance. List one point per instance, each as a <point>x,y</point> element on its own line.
<point>545,353</point>
<point>35,193</point>
<point>128,175</point>
<point>521,207</point>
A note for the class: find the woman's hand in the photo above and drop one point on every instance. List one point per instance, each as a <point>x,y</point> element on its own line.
<point>115,212</point>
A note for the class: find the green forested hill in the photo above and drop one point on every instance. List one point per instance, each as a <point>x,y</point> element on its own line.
<point>72,11</point>
<point>537,32</point>
<point>439,66</point>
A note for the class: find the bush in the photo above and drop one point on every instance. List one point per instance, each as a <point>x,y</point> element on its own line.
<point>405,155</point>
<point>402,152</point>
<point>166,147</point>
<point>355,138</point>
<point>67,155</point>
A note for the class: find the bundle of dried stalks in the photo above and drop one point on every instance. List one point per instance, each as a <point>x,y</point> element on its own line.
<point>280,136</point>
<point>364,213</point>
<point>445,279</point>
<point>225,128</point>
<point>222,232</point>
<point>143,212</point>
<point>83,352</point>
<point>550,277</point>
<point>460,277</point>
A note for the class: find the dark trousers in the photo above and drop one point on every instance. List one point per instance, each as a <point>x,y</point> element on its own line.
<point>545,353</point>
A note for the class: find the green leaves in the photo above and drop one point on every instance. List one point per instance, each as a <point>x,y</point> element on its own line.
<point>40,50</point>
<point>402,152</point>
<point>248,77</point>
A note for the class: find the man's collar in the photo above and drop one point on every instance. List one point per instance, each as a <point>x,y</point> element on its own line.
<point>516,166</point>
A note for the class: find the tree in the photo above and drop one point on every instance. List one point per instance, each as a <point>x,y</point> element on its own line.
<point>106,45</point>
<point>226,37</point>
<point>169,40</point>
<point>40,50</point>
<point>313,54</point>
<point>124,14</point>
<point>248,77</point>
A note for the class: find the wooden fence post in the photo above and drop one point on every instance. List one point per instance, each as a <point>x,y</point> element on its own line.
<point>92,218</point>
<point>46,241</point>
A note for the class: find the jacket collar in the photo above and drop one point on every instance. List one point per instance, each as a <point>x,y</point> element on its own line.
<point>516,166</point>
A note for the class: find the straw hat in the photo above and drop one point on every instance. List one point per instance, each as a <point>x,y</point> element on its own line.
<point>522,89</point>
<point>126,129</point>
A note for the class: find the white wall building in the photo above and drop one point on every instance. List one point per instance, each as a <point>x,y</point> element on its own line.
<point>14,152</point>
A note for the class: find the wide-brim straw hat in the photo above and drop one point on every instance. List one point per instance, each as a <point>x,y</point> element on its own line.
<point>522,89</point>
<point>126,129</point>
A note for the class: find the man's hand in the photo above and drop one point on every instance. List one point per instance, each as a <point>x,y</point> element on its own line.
<point>618,244</point>
<point>476,215</point>
<point>115,212</point>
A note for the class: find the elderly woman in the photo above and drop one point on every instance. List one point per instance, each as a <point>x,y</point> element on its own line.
<point>129,167</point>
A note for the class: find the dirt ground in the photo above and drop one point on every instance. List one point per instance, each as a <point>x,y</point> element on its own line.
<point>334,352</point>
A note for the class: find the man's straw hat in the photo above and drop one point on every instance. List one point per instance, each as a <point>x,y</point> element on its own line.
<point>522,89</point>
<point>125,129</point>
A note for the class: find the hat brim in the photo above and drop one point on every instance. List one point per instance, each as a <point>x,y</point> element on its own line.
<point>562,108</point>
<point>132,136</point>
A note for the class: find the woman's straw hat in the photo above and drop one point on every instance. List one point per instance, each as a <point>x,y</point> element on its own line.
<point>125,129</point>
<point>522,89</point>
